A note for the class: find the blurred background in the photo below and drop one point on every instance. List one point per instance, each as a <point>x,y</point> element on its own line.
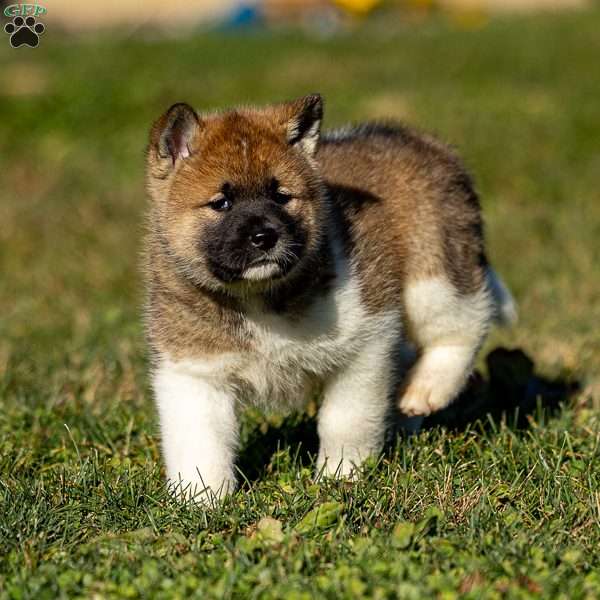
<point>316,16</point>
<point>512,83</point>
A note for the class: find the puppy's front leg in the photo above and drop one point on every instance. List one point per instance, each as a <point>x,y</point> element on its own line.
<point>199,433</point>
<point>352,419</point>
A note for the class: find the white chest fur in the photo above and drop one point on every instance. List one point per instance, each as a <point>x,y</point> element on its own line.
<point>293,354</point>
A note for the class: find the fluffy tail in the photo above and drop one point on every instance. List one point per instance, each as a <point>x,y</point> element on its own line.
<point>504,304</point>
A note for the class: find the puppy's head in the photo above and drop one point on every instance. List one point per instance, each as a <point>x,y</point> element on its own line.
<point>237,200</point>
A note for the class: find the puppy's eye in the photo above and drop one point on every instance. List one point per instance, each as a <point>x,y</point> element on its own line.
<point>278,193</point>
<point>282,196</point>
<point>220,203</point>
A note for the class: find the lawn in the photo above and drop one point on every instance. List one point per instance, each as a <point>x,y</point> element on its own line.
<point>474,506</point>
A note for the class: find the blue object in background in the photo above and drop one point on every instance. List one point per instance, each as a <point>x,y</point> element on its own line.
<point>243,15</point>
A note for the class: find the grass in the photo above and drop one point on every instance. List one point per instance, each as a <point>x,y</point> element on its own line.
<point>484,511</point>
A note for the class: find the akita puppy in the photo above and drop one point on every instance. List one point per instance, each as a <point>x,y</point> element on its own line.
<point>280,261</point>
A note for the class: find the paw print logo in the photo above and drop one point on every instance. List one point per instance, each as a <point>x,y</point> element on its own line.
<point>24,32</point>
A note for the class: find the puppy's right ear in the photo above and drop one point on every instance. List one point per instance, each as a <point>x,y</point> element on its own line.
<point>172,138</point>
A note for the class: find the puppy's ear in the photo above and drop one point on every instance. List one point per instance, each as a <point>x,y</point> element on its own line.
<point>173,136</point>
<point>303,126</point>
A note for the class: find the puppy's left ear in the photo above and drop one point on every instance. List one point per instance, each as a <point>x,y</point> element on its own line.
<point>303,127</point>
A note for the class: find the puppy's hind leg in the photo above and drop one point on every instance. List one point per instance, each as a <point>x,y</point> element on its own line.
<point>448,328</point>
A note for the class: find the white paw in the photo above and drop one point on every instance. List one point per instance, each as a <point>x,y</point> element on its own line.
<point>414,406</point>
<point>422,401</point>
<point>340,470</point>
<point>201,492</point>
<point>338,466</point>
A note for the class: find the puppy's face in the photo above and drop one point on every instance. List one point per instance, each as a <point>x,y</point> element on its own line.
<point>238,202</point>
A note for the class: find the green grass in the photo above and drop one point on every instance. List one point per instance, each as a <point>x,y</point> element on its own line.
<point>484,512</point>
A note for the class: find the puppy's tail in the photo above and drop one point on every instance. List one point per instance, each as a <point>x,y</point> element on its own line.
<point>505,307</point>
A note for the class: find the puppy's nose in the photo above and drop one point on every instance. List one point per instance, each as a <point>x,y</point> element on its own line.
<point>264,238</point>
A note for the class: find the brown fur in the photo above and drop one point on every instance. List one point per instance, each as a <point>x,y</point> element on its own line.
<point>408,207</point>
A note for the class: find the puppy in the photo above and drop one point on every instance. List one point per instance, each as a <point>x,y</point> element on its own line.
<point>279,262</point>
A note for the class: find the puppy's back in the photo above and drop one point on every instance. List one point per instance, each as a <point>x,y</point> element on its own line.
<point>407,207</point>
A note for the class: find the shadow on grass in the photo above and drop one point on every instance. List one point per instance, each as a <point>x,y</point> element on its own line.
<point>512,393</point>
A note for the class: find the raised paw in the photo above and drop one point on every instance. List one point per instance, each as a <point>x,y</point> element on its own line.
<point>414,406</point>
<point>422,401</point>
<point>437,379</point>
